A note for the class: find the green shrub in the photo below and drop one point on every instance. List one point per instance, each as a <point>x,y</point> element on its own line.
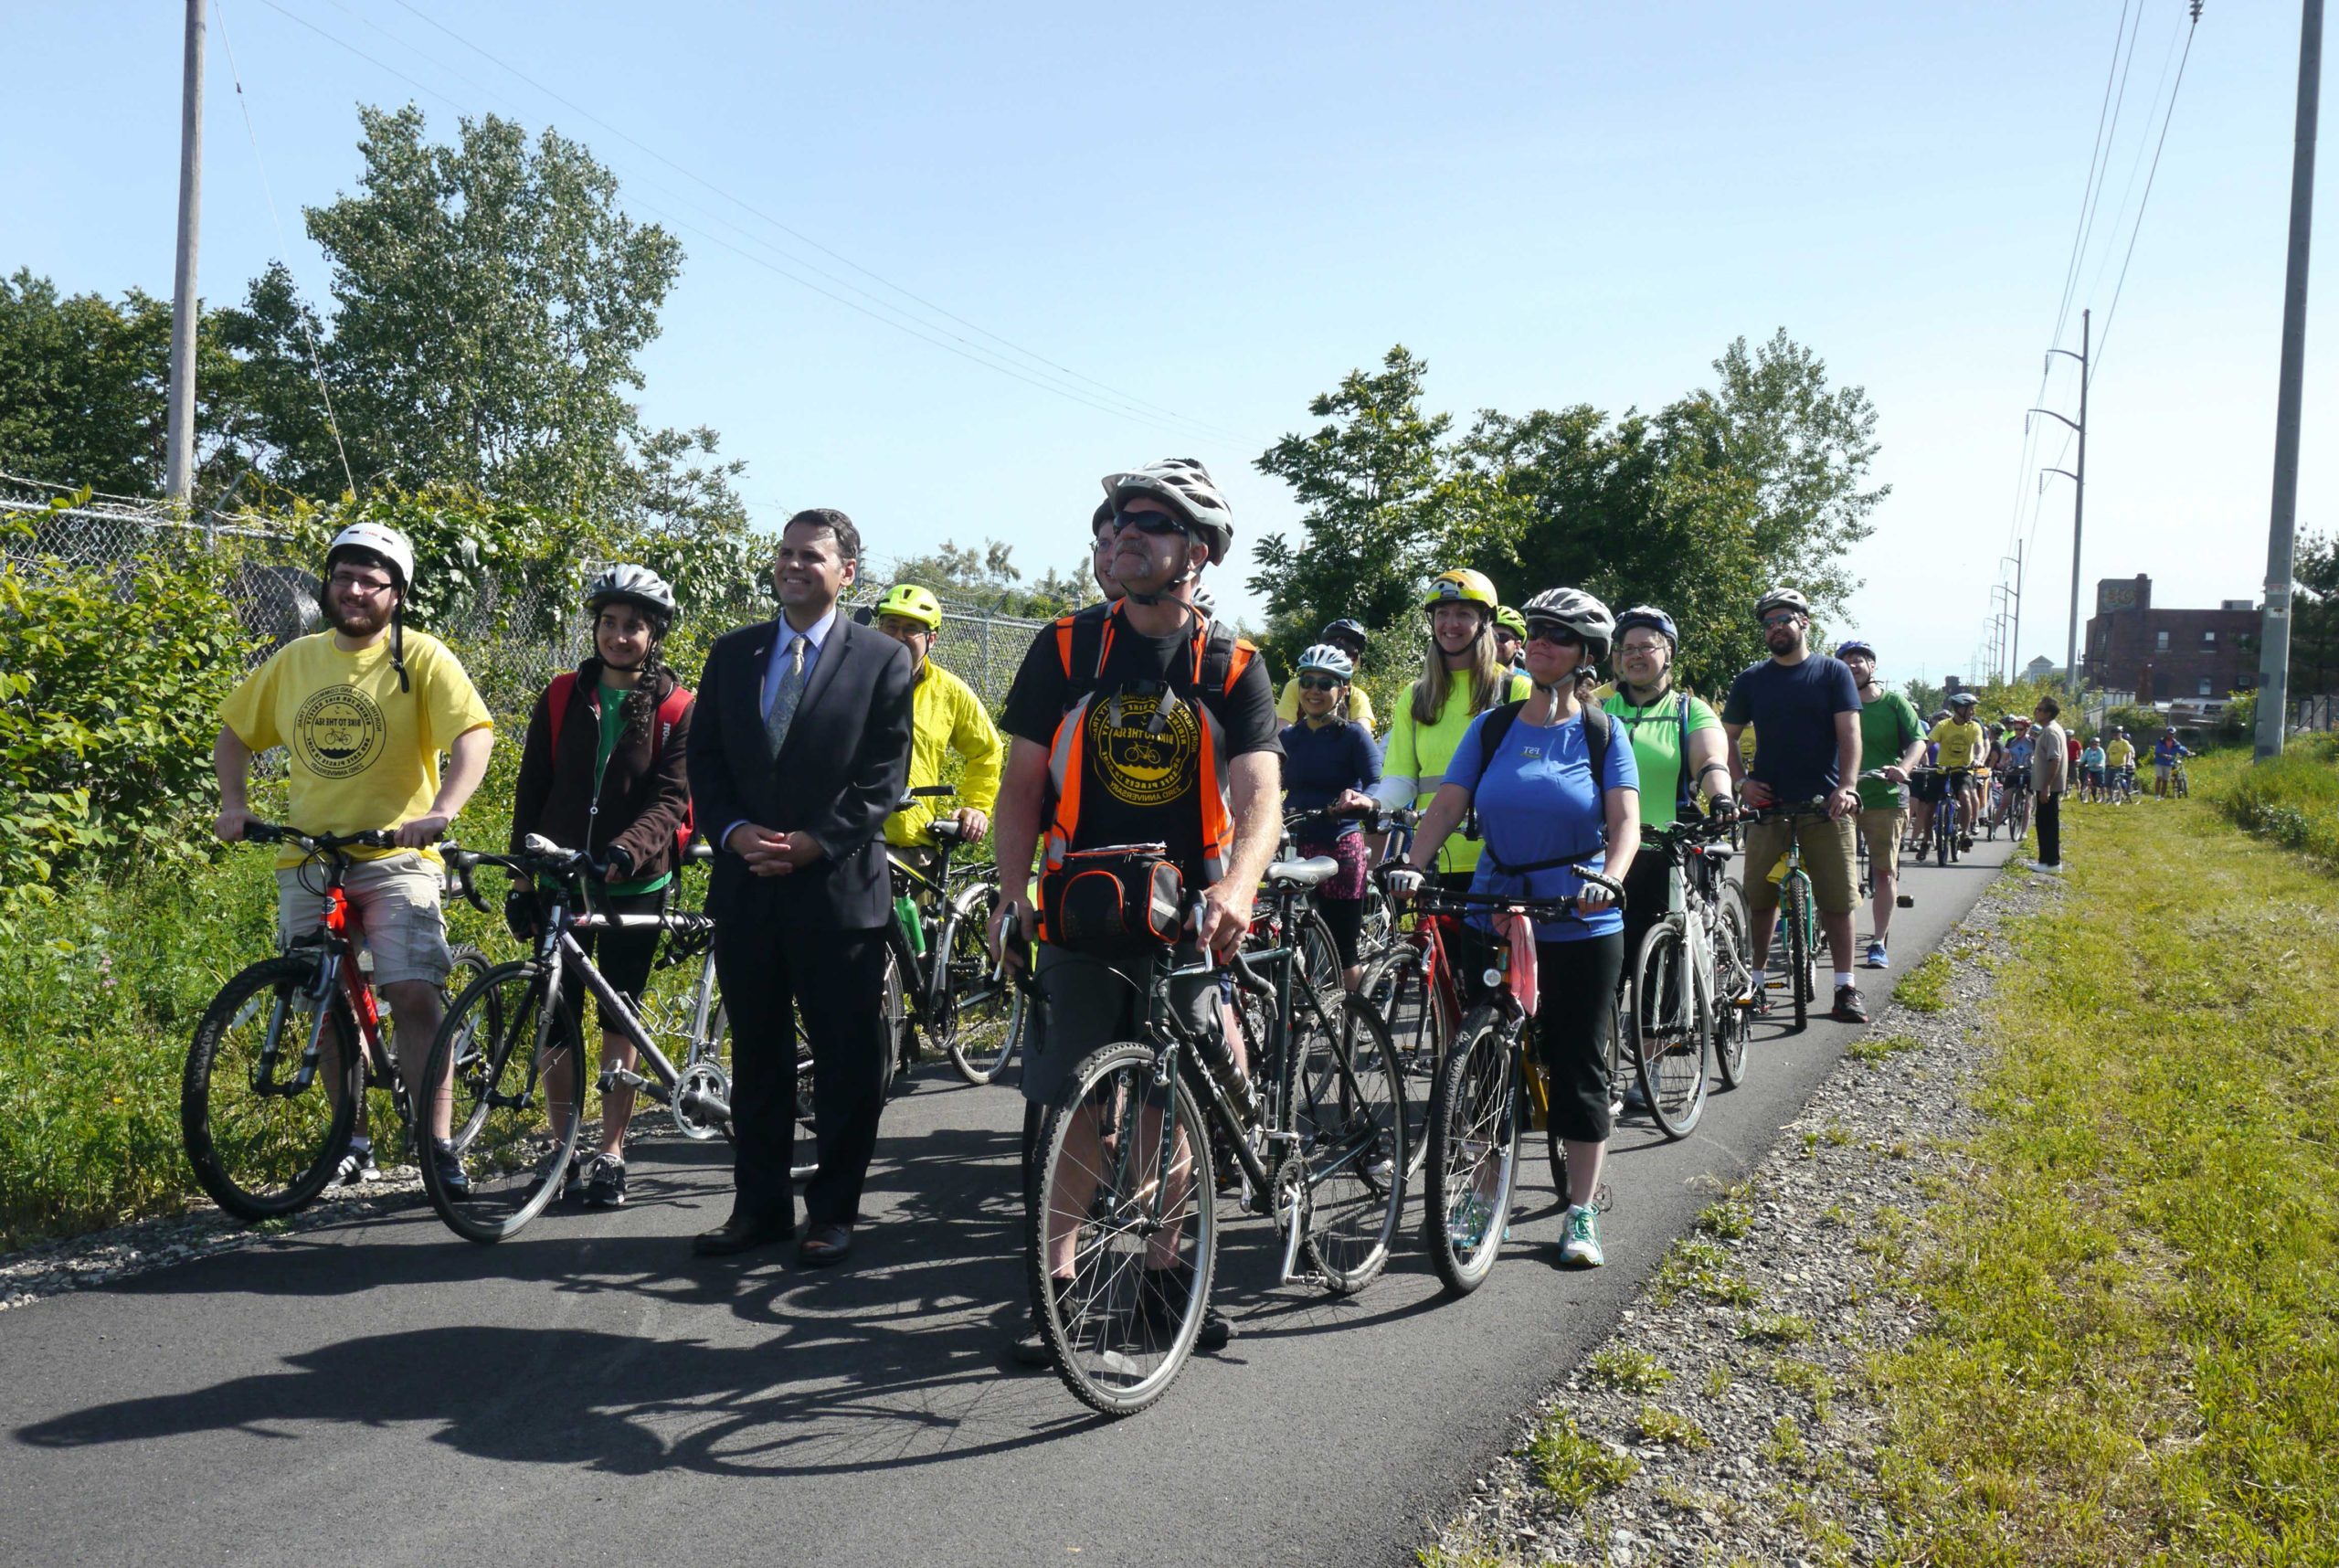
<point>2292,799</point>
<point>110,681</point>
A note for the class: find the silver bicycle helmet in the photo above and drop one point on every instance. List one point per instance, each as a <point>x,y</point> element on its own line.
<point>1328,660</point>
<point>1580,613</point>
<point>1782,598</point>
<point>1185,486</point>
<point>628,584</point>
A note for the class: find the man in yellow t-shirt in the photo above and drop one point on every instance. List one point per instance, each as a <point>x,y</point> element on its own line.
<point>2119,763</point>
<point>1960,745</point>
<point>363,712</point>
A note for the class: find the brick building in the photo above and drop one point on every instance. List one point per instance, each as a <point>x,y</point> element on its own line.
<point>2165,654</point>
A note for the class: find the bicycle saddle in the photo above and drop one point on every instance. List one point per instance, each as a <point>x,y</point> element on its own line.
<point>1308,872</point>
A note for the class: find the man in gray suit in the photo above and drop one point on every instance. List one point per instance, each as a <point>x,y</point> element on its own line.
<point>800,746</point>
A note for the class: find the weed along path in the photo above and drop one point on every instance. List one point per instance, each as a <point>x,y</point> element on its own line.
<point>375,1389</point>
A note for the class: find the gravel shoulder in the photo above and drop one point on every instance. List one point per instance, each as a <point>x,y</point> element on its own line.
<point>1726,1419</point>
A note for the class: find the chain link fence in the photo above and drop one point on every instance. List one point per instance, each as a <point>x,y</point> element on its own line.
<point>275,591</point>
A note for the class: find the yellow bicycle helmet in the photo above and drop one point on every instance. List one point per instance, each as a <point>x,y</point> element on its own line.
<point>912,602</point>
<point>1510,620</point>
<point>1462,586</point>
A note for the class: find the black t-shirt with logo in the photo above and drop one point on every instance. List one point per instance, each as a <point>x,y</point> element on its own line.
<point>1143,783</point>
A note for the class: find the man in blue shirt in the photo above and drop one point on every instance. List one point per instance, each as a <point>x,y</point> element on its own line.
<point>1806,710</point>
<point>2165,751</point>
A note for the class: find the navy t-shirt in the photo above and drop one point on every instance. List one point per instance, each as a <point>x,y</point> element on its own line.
<point>1793,708</point>
<point>1534,802</point>
<point>1317,764</point>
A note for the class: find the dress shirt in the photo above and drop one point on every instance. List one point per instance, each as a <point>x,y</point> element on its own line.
<point>777,665</point>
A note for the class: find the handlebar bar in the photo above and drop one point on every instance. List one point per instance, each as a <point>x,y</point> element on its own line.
<point>318,843</point>
<point>1439,898</point>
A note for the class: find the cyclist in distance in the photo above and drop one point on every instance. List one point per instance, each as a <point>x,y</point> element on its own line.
<point>2165,751</point>
<point>602,771</point>
<point>1144,669</point>
<point>1891,738</point>
<point>1100,551</point>
<point>946,716</point>
<point>363,711</point>
<point>1330,766</point>
<point>1958,742</point>
<point>2020,746</point>
<point>1545,811</point>
<point>2120,764</point>
<point>1807,707</point>
<point>1461,678</point>
<point>1676,754</point>
<point>1351,639</point>
<point>2091,768</point>
<point>1510,638</point>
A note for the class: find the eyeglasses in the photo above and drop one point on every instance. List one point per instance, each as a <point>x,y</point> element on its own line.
<point>1635,649</point>
<point>1552,632</point>
<point>1154,524</point>
<point>366,587</point>
<point>1318,684</point>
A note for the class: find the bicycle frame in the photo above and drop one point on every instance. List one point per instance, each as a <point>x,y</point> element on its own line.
<point>337,964</point>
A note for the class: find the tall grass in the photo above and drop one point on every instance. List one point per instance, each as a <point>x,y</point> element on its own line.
<point>2292,799</point>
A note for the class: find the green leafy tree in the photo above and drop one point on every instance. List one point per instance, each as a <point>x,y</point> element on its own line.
<point>490,302</point>
<point>1377,491</point>
<point>2314,616</point>
<point>84,389</point>
<point>986,576</point>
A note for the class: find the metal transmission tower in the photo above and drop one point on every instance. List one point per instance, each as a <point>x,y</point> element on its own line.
<point>2274,641</point>
<point>2079,501</point>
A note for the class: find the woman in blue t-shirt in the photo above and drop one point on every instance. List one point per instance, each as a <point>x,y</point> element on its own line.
<point>1330,766</point>
<point>1541,814</point>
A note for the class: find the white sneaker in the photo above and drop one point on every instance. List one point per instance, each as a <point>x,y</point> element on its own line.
<point>2043,869</point>
<point>1581,1248</point>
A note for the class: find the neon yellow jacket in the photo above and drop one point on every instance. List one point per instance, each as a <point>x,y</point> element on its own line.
<point>1413,765</point>
<point>947,716</point>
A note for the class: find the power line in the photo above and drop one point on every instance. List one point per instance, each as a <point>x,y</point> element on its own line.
<point>933,336</point>
<point>2089,194</point>
<point>2170,114</point>
<point>283,252</point>
<point>796,233</point>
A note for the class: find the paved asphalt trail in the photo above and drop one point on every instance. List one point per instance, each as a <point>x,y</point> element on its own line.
<point>381,1392</point>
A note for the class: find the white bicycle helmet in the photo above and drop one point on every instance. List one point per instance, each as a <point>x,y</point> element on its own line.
<point>628,584</point>
<point>1580,613</point>
<point>1185,486</point>
<point>1330,661</point>
<point>1205,601</point>
<point>392,547</point>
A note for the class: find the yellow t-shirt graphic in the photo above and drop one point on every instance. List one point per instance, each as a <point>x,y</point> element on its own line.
<point>364,753</point>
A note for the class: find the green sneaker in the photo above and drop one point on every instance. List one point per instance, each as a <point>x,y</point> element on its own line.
<point>1581,1248</point>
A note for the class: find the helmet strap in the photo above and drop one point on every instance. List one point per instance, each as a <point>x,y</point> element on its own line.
<point>398,645</point>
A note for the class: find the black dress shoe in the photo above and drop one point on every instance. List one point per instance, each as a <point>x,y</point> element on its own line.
<point>825,1244</point>
<point>741,1233</point>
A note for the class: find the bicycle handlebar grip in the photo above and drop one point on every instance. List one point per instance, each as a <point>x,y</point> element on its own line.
<point>258,832</point>
<point>1248,978</point>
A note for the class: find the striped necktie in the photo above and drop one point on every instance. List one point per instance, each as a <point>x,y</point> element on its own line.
<point>784,702</point>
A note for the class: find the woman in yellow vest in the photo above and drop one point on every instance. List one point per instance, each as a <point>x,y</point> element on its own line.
<point>1460,679</point>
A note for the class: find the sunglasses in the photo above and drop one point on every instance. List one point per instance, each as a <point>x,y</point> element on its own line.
<point>1318,684</point>
<point>1552,632</point>
<point>1784,618</point>
<point>1154,524</point>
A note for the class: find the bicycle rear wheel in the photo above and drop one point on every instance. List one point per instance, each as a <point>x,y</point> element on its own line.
<point>527,1083</point>
<point>1319,955</point>
<point>1735,984</point>
<point>1346,1095</point>
<point>1794,913</point>
<point>1398,989</point>
<point>1124,1233</point>
<point>1676,1018</point>
<point>1376,931</point>
<point>1472,1163</point>
<point>263,1120</point>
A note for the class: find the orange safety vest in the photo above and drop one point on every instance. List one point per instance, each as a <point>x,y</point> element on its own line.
<point>1139,732</point>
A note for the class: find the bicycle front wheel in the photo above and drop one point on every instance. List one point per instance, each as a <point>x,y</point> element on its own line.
<point>980,1002</point>
<point>1474,1122</point>
<point>1794,912</point>
<point>1124,1233</point>
<point>524,1087</point>
<point>1676,1018</point>
<point>264,1116</point>
<point>1346,1092</point>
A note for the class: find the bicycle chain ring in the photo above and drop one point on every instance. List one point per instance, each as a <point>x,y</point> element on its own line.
<point>703,1077</point>
<point>1291,1190</point>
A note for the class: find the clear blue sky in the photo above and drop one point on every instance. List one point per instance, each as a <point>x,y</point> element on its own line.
<point>1220,209</point>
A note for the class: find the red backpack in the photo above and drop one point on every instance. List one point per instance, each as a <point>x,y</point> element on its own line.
<point>670,714</point>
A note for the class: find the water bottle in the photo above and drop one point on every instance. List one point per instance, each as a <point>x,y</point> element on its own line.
<point>905,911</point>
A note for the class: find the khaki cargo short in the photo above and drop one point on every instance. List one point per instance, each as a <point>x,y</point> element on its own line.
<point>1829,859</point>
<point>393,913</point>
<point>1881,828</point>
